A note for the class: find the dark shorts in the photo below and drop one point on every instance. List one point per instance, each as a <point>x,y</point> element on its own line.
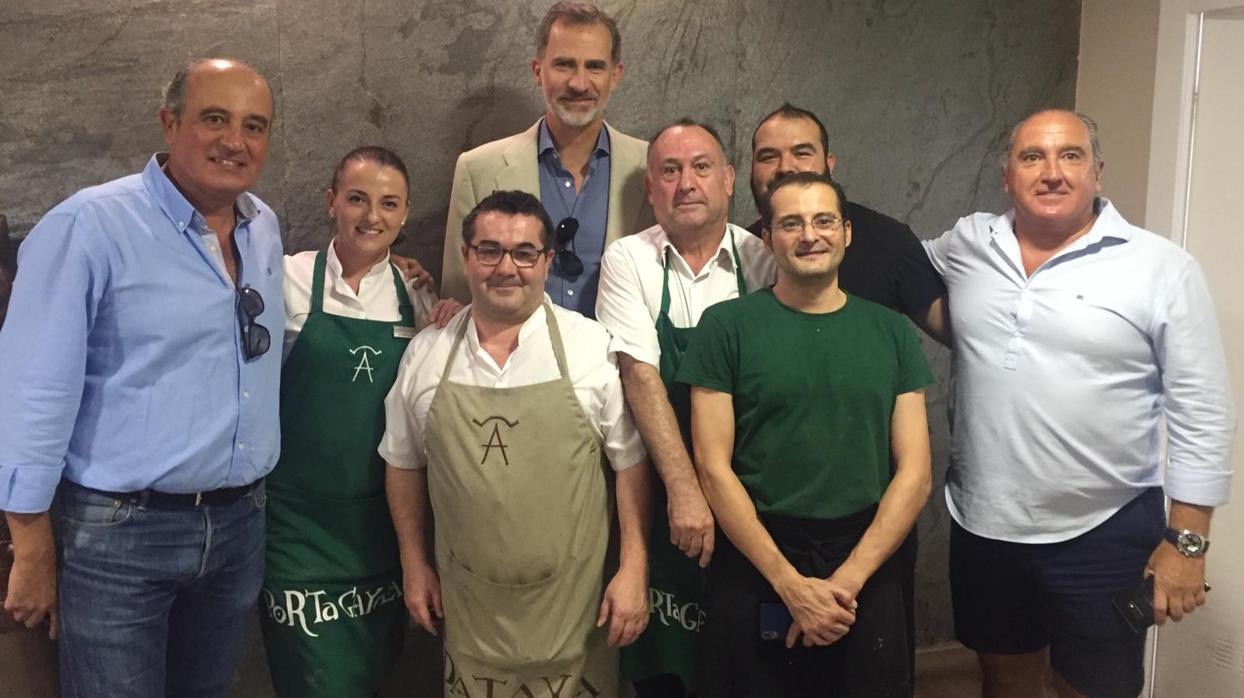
<point>1014,598</point>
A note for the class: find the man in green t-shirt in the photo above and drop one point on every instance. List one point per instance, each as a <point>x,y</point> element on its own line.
<point>801,394</point>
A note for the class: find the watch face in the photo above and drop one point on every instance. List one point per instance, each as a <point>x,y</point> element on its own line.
<point>1190,543</point>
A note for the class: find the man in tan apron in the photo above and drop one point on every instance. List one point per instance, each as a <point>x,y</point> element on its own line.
<point>502,422</point>
<point>654,286</point>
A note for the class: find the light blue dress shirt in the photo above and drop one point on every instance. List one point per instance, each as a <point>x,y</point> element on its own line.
<point>1064,378</point>
<point>121,366</point>
<point>589,205</point>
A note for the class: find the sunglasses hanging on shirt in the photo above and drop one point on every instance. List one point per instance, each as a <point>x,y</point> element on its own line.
<point>567,260</point>
<point>255,337</point>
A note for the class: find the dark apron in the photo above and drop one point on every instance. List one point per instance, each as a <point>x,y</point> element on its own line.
<point>669,645</point>
<point>333,614</point>
<point>870,661</point>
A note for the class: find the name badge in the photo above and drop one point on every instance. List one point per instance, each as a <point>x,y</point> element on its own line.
<point>403,332</point>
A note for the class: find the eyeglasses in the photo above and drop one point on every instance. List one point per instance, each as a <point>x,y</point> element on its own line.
<point>255,337</point>
<point>524,257</point>
<point>821,224</point>
<point>567,260</point>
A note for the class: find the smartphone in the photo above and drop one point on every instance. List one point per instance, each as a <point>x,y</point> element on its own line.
<point>775,620</point>
<point>1136,606</point>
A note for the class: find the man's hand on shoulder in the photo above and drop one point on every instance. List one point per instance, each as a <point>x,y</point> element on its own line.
<point>32,581</point>
<point>411,270</point>
<point>691,522</point>
<point>625,605</point>
<point>443,311</point>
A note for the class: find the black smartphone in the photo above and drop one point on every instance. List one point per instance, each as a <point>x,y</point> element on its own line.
<point>775,620</point>
<point>1136,606</point>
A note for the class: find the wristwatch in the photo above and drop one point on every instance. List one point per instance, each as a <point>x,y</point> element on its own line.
<point>1188,543</point>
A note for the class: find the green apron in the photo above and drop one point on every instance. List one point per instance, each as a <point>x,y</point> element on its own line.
<point>334,617</point>
<point>516,477</point>
<point>676,583</point>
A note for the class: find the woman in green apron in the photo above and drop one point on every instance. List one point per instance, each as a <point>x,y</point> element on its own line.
<point>333,616</point>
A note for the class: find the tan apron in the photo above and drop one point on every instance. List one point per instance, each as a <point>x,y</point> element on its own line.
<point>517,484</point>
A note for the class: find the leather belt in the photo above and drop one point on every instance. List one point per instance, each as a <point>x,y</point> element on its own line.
<point>155,499</point>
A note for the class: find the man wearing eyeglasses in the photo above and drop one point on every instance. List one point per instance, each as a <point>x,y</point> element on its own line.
<point>654,285</point>
<point>501,423</point>
<point>588,175</point>
<point>135,379</point>
<point>801,395</point>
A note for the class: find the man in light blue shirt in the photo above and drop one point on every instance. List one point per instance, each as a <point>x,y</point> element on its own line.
<point>1077,336</point>
<point>136,378</point>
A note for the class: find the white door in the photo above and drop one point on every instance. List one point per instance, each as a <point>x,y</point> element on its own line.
<point>1203,657</point>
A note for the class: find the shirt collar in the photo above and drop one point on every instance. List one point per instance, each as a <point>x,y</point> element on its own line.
<point>724,248</point>
<point>334,264</point>
<point>174,204</point>
<point>544,140</point>
<point>1109,224</point>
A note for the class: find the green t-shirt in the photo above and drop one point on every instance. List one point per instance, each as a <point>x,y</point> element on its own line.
<point>813,397</point>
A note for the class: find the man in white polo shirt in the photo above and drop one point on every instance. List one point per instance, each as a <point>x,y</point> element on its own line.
<point>1076,336</point>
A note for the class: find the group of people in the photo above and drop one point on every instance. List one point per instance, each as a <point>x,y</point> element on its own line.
<point>636,447</point>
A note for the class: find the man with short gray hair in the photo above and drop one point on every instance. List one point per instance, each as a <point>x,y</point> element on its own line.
<point>149,404</point>
<point>587,174</point>
<point>1076,337</point>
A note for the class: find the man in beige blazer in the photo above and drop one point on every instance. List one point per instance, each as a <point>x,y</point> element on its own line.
<point>588,175</point>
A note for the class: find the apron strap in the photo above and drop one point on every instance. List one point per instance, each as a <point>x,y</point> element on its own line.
<point>665,285</point>
<point>738,268</point>
<point>317,281</point>
<point>403,298</point>
<point>555,338</point>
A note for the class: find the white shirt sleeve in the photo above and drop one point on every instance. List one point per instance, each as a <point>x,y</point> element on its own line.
<point>623,445</point>
<point>403,445</point>
<point>1200,416</point>
<point>296,289</point>
<point>620,307</point>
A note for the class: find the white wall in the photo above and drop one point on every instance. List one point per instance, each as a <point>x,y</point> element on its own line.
<point>1114,85</point>
<point>1204,655</point>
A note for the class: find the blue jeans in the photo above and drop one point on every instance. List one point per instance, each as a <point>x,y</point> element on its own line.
<point>155,602</point>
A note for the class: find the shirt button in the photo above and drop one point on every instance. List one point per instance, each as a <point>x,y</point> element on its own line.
<point>567,184</point>
<point>246,394</point>
<point>241,446</point>
<point>570,292</point>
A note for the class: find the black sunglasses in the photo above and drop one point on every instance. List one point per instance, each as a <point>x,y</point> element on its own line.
<point>256,339</point>
<point>567,259</point>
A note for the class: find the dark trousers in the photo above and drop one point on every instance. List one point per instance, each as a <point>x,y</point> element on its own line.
<point>870,661</point>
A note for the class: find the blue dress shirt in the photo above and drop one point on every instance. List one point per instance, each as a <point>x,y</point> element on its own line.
<point>121,365</point>
<point>590,206</point>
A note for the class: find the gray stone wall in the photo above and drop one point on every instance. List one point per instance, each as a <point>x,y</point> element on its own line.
<point>918,96</point>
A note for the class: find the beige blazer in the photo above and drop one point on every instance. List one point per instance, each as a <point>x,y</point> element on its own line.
<point>510,164</point>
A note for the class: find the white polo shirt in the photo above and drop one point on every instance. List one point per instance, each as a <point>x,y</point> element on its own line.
<point>632,272</point>
<point>593,373</point>
<point>1063,378</point>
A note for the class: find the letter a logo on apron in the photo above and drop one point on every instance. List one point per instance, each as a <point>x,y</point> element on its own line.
<point>364,364</point>
<point>494,439</point>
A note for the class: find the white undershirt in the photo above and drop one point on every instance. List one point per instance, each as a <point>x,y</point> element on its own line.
<point>593,374</point>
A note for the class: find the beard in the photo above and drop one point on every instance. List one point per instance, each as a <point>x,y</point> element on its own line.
<point>578,118</point>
